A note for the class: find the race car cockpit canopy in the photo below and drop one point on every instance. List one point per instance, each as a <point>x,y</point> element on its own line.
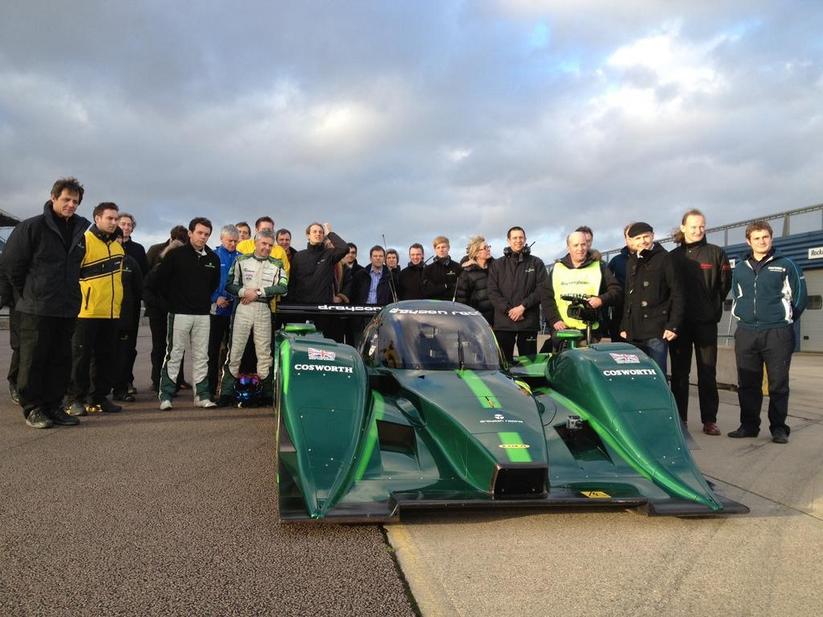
<point>432,336</point>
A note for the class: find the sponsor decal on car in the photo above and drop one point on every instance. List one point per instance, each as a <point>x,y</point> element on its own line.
<point>628,372</point>
<point>399,311</point>
<point>625,358</point>
<point>514,446</point>
<point>323,368</point>
<point>321,354</point>
<point>499,418</point>
<point>595,494</point>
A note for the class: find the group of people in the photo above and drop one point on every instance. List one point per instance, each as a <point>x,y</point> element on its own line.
<point>76,289</point>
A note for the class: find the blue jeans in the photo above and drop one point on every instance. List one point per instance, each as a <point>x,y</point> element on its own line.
<point>657,349</point>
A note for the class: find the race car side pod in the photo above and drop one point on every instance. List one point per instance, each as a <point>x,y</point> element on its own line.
<point>632,410</point>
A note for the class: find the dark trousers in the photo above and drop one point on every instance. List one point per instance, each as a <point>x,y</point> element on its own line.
<point>45,360</point>
<point>703,339</point>
<point>159,325</point>
<point>656,348</point>
<point>125,355</point>
<point>14,343</point>
<point>218,331</point>
<point>93,340</point>
<point>753,349</point>
<point>526,342</point>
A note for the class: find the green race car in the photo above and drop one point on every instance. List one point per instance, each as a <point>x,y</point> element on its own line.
<point>425,415</point>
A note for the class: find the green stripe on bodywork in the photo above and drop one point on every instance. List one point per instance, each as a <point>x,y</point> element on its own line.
<point>378,406</point>
<point>481,390</point>
<point>285,364</point>
<point>646,467</point>
<point>516,455</point>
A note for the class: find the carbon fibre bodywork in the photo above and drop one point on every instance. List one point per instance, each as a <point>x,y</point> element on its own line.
<point>423,415</point>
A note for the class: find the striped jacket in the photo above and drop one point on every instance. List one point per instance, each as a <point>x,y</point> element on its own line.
<point>101,278</point>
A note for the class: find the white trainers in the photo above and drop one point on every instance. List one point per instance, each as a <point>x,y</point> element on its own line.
<point>165,404</point>
<point>204,402</point>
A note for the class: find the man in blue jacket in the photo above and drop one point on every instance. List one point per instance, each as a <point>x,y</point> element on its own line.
<point>769,293</point>
<point>222,304</point>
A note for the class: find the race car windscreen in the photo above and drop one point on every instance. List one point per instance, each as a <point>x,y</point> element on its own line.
<point>436,340</point>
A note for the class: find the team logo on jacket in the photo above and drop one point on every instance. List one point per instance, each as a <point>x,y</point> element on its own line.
<point>625,358</point>
<point>321,354</point>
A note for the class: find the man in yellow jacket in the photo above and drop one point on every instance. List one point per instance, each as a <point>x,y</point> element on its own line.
<point>95,334</point>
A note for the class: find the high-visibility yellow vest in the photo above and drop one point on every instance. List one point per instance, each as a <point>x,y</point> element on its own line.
<point>567,281</point>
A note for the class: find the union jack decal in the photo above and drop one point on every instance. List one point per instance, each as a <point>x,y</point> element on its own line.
<point>320,354</point>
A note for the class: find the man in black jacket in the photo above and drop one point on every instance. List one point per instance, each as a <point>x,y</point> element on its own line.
<point>42,260</point>
<point>440,276</point>
<point>311,280</point>
<point>159,317</point>
<point>411,277</point>
<point>654,303</point>
<point>182,284</point>
<point>517,286</point>
<point>707,277</point>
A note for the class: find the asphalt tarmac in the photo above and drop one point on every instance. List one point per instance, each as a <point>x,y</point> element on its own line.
<point>763,564</point>
<point>170,513</point>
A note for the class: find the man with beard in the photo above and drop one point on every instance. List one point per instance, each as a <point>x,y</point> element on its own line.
<point>95,334</point>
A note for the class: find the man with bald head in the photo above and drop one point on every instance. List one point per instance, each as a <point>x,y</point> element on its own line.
<point>580,273</point>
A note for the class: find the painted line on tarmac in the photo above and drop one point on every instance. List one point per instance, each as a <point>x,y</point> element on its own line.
<point>431,597</point>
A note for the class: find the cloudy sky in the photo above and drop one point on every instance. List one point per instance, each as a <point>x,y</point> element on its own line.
<point>412,119</point>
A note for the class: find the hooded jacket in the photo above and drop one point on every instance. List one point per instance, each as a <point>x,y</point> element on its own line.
<point>654,299</point>
<point>706,275</point>
<point>515,279</point>
<point>42,267</point>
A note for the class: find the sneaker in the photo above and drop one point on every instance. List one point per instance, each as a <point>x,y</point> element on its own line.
<point>780,435</point>
<point>204,402</point>
<point>106,406</point>
<point>131,389</point>
<point>710,428</point>
<point>742,431</point>
<point>38,419</point>
<point>123,396</point>
<point>59,417</point>
<point>76,409</point>
<point>165,404</point>
<point>15,396</point>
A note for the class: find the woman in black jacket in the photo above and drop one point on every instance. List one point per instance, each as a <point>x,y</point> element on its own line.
<point>473,282</point>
